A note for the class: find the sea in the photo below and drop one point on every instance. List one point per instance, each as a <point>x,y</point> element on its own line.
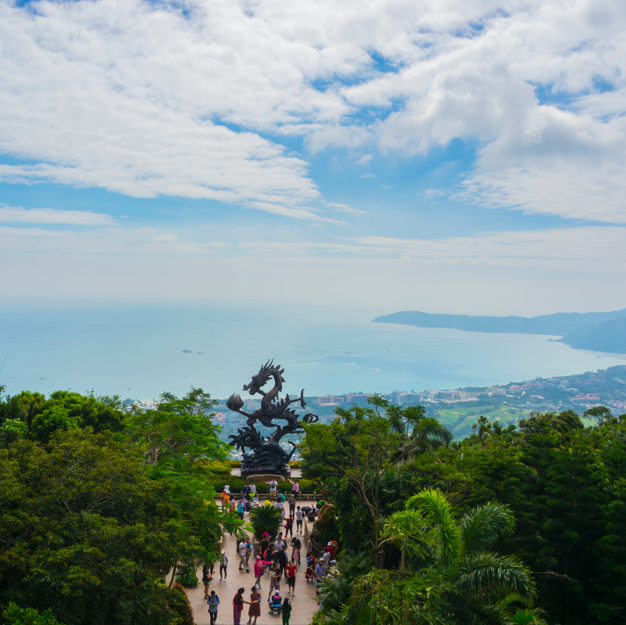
<point>138,352</point>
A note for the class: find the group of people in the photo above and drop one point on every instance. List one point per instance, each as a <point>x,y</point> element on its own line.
<point>318,566</point>
<point>273,559</point>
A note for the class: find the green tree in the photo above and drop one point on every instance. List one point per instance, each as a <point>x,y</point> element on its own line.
<point>85,533</point>
<point>180,442</point>
<point>14,615</point>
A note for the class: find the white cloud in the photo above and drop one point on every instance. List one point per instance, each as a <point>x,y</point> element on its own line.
<point>9,214</point>
<point>169,98</point>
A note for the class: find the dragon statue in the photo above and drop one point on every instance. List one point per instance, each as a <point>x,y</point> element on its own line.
<point>266,455</point>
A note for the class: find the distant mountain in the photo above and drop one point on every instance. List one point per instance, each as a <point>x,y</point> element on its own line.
<point>609,336</point>
<point>595,331</point>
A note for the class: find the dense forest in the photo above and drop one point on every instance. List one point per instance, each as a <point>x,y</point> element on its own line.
<point>512,525</point>
<point>103,507</point>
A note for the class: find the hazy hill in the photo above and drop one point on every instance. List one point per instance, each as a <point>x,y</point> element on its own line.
<point>604,331</point>
<point>609,336</point>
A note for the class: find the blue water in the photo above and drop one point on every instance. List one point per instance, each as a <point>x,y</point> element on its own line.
<point>137,352</point>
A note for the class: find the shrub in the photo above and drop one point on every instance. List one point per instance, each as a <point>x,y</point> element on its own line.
<point>187,577</point>
<point>180,604</point>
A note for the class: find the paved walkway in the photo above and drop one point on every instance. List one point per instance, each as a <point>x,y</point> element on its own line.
<point>304,603</point>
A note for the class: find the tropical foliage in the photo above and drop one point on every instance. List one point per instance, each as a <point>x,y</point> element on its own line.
<point>265,519</point>
<point>514,524</point>
<point>101,504</point>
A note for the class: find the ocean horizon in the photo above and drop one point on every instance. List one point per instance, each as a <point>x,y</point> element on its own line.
<point>140,351</point>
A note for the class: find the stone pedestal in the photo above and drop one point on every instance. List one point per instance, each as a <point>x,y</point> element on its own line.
<point>268,459</point>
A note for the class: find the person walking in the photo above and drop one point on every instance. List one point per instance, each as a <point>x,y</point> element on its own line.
<point>248,553</point>
<point>206,580</point>
<point>295,551</point>
<point>292,505</point>
<point>223,565</point>
<point>238,602</point>
<point>243,551</point>
<point>213,602</point>
<point>281,506</point>
<point>255,605</point>
<point>241,508</point>
<point>286,611</point>
<point>291,571</point>
<point>289,526</point>
<point>259,570</point>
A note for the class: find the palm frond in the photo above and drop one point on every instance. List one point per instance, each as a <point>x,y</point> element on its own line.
<point>495,577</point>
<point>483,525</point>
<point>438,511</point>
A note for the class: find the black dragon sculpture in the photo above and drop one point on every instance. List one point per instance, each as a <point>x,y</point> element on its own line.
<point>266,455</point>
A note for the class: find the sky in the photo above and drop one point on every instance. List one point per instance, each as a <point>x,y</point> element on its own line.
<point>458,156</point>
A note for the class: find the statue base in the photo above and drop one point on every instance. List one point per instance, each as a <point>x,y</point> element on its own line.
<point>268,459</point>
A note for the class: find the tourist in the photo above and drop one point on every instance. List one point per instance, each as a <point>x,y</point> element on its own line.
<point>245,493</point>
<point>255,605</point>
<point>253,490</point>
<point>238,602</point>
<point>281,497</point>
<point>281,506</point>
<point>286,611</point>
<point>298,515</point>
<point>243,550</point>
<point>223,565</point>
<point>206,580</point>
<point>273,485</point>
<point>296,545</point>
<point>295,488</point>
<point>289,526</point>
<point>225,497</point>
<point>282,558</point>
<point>259,570</point>
<point>275,576</point>
<point>292,505</point>
<point>279,543</point>
<point>213,602</point>
<point>319,571</point>
<point>291,570</point>
<point>310,546</point>
<point>248,553</point>
<point>332,547</point>
<point>265,542</point>
<point>309,574</point>
<point>276,603</point>
<point>241,508</point>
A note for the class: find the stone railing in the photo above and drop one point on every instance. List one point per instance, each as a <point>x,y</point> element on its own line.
<point>301,496</point>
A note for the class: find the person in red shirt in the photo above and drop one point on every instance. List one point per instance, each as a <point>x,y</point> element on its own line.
<point>291,570</point>
<point>331,547</point>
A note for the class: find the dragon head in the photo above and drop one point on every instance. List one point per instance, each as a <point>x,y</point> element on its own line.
<point>265,373</point>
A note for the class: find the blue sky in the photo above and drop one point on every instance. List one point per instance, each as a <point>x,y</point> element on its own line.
<point>449,156</point>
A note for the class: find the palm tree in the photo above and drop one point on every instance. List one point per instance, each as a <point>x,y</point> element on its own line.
<point>420,434</point>
<point>265,519</point>
<point>482,580</point>
<point>449,572</point>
